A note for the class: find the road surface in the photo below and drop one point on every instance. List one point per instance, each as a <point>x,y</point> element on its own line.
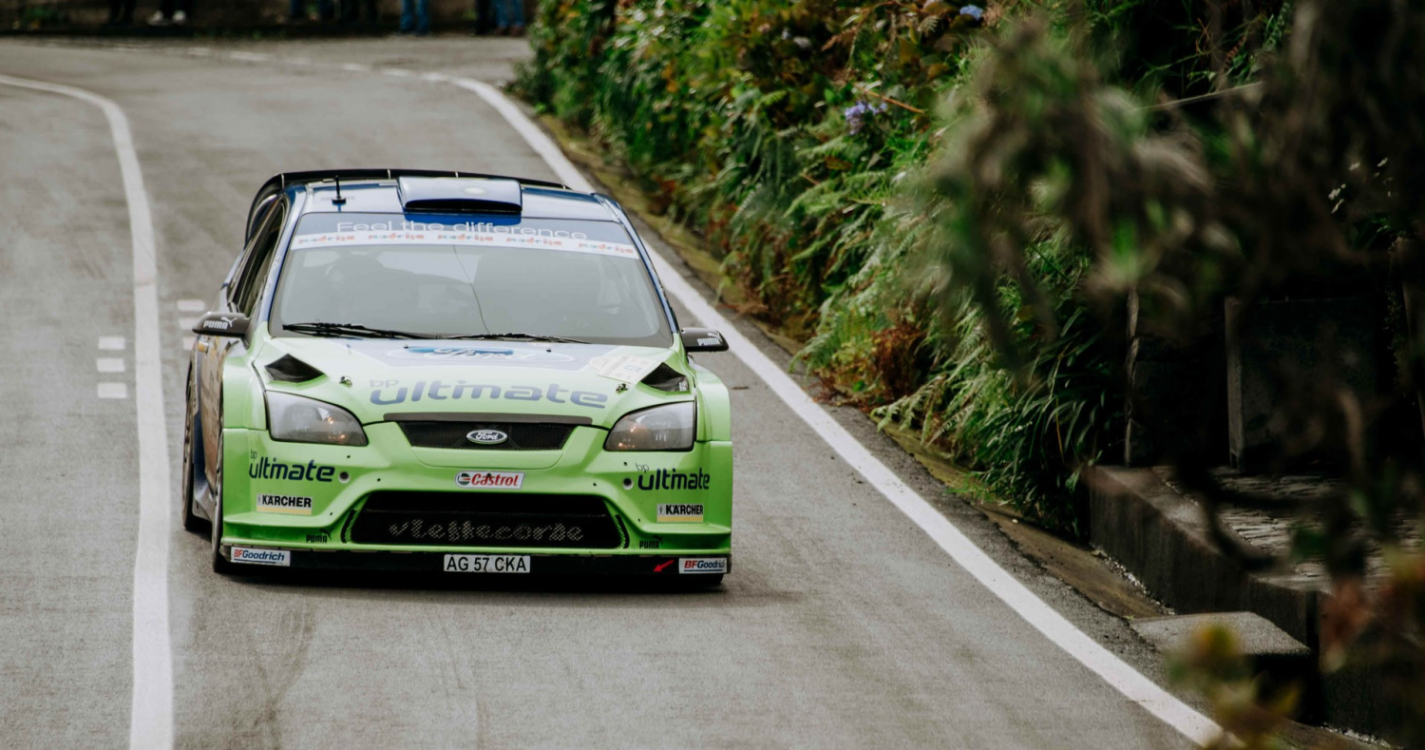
<point>843,625</point>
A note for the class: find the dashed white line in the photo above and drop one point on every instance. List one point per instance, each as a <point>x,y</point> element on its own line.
<point>397,72</point>
<point>250,56</point>
<point>356,67</point>
<point>111,343</point>
<point>190,305</point>
<point>151,710</point>
<point>1113,670</point>
<point>109,364</point>
<point>113,390</point>
<point>187,323</point>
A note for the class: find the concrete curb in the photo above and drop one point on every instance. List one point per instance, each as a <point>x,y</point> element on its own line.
<point>1162,538</point>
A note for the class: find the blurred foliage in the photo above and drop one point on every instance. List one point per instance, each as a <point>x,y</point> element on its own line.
<point>956,206</point>
<point>1249,710</point>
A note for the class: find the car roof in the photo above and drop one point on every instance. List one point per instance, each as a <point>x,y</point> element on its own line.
<point>382,197</point>
<point>379,193</point>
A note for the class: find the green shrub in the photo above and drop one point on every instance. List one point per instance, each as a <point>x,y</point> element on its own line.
<point>795,137</point>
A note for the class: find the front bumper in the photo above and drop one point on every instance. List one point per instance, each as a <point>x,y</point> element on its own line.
<point>688,566</point>
<point>327,489</point>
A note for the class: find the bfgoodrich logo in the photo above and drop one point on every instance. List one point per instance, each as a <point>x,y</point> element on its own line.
<point>702,565</point>
<point>293,504</point>
<point>279,557</point>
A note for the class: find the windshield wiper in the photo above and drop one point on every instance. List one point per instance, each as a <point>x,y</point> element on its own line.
<point>351,329</point>
<point>519,337</point>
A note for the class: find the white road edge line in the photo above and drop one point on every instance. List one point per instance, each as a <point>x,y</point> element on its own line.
<point>151,713</point>
<point>1117,673</point>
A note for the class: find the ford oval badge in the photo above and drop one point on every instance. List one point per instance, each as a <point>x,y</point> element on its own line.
<point>486,437</point>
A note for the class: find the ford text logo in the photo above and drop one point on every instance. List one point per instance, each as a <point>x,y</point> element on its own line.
<point>486,437</point>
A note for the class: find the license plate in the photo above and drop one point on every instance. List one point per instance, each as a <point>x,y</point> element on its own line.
<point>487,563</point>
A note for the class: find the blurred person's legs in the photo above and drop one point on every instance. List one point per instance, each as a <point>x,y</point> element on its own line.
<point>121,12</point>
<point>509,16</point>
<point>415,17</point>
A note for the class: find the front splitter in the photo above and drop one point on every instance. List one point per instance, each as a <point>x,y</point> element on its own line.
<point>682,565</point>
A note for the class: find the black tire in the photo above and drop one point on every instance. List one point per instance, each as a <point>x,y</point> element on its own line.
<point>191,521</point>
<point>220,564</point>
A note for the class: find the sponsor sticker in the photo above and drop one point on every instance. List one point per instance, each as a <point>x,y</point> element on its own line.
<point>294,504</point>
<point>702,565</point>
<point>487,563</point>
<point>672,479</point>
<point>480,354</point>
<point>489,480</point>
<point>468,235</point>
<point>685,513</point>
<point>266,468</point>
<point>623,367</point>
<point>249,556</point>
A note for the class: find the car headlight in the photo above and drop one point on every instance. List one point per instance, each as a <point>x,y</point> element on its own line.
<point>304,420</point>
<point>662,428</point>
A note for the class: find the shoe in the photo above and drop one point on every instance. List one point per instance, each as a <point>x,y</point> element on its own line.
<point>180,18</point>
<point>502,31</point>
<point>158,19</point>
<point>516,31</point>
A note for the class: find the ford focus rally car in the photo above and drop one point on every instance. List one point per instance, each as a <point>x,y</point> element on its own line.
<point>444,372</point>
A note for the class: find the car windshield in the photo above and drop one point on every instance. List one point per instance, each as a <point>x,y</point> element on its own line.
<point>466,276</point>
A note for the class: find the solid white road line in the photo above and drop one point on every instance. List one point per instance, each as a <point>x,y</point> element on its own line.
<point>151,712</point>
<point>111,343</point>
<point>1117,673</point>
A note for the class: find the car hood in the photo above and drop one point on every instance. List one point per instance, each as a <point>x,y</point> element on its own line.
<point>383,379</point>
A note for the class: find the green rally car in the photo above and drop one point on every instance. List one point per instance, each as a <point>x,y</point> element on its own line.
<point>454,373</point>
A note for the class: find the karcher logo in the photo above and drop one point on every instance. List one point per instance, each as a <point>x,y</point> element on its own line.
<point>292,504</point>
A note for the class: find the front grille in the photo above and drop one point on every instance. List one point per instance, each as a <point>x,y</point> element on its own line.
<point>485,519</point>
<point>522,436</point>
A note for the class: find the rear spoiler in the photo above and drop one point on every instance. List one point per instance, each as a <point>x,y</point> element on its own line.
<point>281,182</point>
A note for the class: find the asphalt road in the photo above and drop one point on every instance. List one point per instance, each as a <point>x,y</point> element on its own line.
<point>843,624</point>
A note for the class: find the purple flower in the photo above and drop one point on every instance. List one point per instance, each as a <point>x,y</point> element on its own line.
<point>857,113</point>
<point>973,11</point>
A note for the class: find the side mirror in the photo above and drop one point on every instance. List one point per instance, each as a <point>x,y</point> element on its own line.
<point>702,340</point>
<point>222,324</point>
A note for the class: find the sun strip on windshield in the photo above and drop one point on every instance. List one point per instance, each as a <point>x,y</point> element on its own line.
<point>469,239</point>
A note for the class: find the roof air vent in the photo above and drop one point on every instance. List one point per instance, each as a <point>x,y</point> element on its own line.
<point>460,195</point>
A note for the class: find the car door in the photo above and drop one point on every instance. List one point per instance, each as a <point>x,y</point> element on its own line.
<point>242,295</point>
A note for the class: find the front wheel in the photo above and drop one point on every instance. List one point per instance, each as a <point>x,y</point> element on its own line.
<point>220,565</point>
<point>191,521</point>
